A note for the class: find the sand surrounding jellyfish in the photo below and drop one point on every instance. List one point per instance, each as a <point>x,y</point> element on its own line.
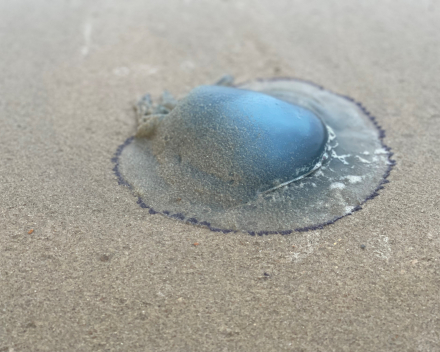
<point>268,156</point>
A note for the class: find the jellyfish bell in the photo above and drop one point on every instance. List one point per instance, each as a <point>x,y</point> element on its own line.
<point>242,142</point>
<point>259,157</point>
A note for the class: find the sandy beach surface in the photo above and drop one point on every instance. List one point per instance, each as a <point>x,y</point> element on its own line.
<point>84,268</point>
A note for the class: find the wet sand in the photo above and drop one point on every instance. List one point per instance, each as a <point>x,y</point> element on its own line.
<point>83,267</point>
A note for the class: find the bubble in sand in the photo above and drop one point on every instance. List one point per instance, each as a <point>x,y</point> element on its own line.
<point>266,156</point>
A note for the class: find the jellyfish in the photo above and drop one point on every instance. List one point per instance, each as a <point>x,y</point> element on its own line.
<point>267,156</point>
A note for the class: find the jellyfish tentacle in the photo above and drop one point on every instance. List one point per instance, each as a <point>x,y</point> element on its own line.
<point>226,81</point>
<point>167,101</point>
<point>148,125</point>
<point>144,106</point>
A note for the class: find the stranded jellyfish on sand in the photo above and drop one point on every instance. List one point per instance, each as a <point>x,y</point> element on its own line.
<point>269,156</point>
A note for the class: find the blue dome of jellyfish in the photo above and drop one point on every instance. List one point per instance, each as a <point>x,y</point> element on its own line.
<point>243,138</point>
<point>266,156</point>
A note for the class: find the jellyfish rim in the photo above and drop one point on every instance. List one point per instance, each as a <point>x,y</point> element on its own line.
<point>205,224</point>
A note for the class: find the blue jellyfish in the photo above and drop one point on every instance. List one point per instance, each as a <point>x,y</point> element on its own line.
<point>266,156</point>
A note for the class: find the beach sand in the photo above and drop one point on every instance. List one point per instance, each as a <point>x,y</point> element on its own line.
<point>84,268</point>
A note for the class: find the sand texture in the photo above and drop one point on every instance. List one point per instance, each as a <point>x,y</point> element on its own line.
<point>84,268</point>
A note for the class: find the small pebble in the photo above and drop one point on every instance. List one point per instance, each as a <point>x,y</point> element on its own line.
<point>104,258</point>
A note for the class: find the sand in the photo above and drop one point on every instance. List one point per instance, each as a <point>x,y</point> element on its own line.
<point>83,267</point>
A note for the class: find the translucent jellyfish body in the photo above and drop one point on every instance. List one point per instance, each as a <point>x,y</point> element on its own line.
<point>264,157</point>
